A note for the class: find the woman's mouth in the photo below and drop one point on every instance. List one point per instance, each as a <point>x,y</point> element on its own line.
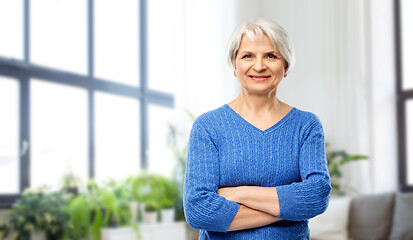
<point>259,78</point>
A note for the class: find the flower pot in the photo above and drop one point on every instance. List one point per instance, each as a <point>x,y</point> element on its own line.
<point>150,217</point>
<point>168,215</point>
<point>122,233</point>
<point>134,209</point>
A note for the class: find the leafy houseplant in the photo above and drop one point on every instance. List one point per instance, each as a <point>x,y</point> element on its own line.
<point>151,212</point>
<point>37,210</point>
<point>168,198</point>
<point>169,192</point>
<point>151,206</point>
<point>71,183</point>
<point>95,209</point>
<point>335,159</point>
<point>180,153</point>
<point>140,186</point>
<point>4,230</point>
<point>79,211</point>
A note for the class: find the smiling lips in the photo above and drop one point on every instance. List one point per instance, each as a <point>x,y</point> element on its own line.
<point>259,78</point>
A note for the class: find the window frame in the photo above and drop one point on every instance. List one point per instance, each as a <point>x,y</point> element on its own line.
<point>23,71</point>
<point>402,97</point>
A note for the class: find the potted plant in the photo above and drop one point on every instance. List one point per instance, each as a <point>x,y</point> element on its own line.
<point>95,213</point>
<point>144,188</point>
<point>168,198</point>
<point>38,212</point>
<point>335,160</point>
<point>151,212</point>
<point>79,211</point>
<point>178,144</point>
<point>132,191</point>
<point>4,230</point>
<point>168,211</point>
<point>71,183</point>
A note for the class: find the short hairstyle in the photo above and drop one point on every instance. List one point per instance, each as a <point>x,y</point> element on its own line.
<point>278,36</point>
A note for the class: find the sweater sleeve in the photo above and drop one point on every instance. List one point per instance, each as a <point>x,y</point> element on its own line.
<point>204,208</point>
<point>310,197</point>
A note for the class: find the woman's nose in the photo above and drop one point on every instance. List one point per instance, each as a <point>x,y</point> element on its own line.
<point>259,65</point>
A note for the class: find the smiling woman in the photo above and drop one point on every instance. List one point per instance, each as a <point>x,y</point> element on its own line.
<point>256,166</point>
<point>259,67</point>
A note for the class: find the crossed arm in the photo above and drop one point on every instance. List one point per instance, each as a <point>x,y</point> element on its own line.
<point>259,206</point>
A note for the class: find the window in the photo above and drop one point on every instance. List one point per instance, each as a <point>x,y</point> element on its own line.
<point>74,92</point>
<point>404,58</point>
<point>117,136</point>
<point>58,132</point>
<point>58,39</point>
<point>9,137</point>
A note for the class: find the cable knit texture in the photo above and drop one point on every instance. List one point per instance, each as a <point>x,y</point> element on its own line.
<point>227,151</point>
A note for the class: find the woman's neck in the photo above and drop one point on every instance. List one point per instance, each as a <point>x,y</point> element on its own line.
<point>257,104</point>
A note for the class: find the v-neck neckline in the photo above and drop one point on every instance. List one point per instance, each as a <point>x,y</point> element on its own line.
<point>253,127</point>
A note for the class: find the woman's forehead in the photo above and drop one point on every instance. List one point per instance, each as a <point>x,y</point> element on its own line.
<point>262,42</point>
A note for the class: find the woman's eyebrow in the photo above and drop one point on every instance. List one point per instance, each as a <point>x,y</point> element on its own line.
<point>274,52</point>
<point>266,52</point>
<point>245,51</point>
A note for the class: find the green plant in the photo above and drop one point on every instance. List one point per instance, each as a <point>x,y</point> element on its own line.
<point>97,208</point>
<point>151,206</point>
<point>141,187</point>
<point>79,211</point>
<point>335,160</point>
<point>178,143</point>
<point>37,210</point>
<point>4,230</point>
<point>179,151</point>
<point>169,192</point>
<point>119,205</point>
<point>71,183</point>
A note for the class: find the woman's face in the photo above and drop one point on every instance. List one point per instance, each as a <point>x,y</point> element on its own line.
<point>259,66</point>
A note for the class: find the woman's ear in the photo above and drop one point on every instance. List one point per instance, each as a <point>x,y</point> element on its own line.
<point>285,69</point>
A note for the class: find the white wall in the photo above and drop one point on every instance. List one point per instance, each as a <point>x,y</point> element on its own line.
<point>207,81</point>
<point>381,73</point>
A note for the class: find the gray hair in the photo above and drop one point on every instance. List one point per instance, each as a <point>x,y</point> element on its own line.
<point>278,36</point>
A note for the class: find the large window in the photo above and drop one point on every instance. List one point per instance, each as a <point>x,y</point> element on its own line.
<point>78,92</point>
<point>404,52</point>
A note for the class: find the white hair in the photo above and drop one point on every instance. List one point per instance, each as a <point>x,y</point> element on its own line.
<point>278,36</point>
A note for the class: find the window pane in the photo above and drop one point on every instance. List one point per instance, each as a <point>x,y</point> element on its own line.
<point>160,156</point>
<point>165,53</point>
<point>9,136</point>
<point>11,28</point>
<point>407,39</point>
<point>116,53</point>
<point>117,136</point>
<point>409,141</point>
<point>58,34</point>
<point>59,133</point>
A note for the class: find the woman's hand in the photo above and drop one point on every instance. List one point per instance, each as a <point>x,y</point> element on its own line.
<point>263,199</point>
<point>231,193</point>
<point>246,217</point>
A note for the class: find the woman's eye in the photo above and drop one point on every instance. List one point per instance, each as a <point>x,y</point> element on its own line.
<point>247,56</point>
<point>272,56</point>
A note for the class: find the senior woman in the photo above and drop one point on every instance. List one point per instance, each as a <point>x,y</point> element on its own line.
<point>256,166</point>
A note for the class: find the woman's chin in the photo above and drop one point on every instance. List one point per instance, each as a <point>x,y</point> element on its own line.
<point>260,91</point>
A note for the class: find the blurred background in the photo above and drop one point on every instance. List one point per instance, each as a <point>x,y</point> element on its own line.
<point>104,89</point>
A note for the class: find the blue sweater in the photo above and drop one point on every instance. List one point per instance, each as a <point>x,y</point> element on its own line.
<point>227,151</point>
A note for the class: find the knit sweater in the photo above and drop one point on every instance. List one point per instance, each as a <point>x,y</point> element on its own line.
<point>225,150</point>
